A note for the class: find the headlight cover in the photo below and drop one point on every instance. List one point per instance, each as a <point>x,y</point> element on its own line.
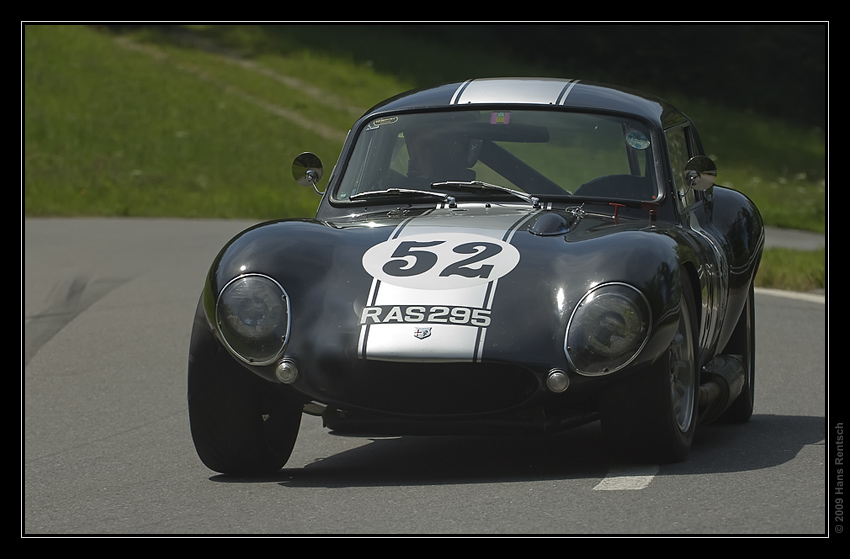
<point>608,328</point>
<point>252,315</point>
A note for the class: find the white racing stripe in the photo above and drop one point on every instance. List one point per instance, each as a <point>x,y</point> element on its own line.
<point>627,479</point>
<point>434,283</point>
<point>542,91</point>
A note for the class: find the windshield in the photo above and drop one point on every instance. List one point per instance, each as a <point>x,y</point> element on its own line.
<point>542,153</point>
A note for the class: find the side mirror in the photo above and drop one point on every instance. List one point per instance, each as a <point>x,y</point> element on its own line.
<point>307,170</point>
<point>700,173</point>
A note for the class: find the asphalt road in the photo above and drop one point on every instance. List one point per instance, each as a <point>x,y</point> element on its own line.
<point>106,448</point>
<point>789,238</point>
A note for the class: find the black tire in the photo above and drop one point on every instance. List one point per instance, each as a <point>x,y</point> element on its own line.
<point>241,424</point>
<point>743,343</point>
<point>652,416</point>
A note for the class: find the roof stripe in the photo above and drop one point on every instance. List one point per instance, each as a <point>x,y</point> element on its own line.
<point>562,98</point>
<point>459,92</point>
<point>543,91</point>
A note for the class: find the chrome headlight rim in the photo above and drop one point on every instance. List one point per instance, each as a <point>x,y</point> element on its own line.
<point>575,330</point>
<point>278,334</point>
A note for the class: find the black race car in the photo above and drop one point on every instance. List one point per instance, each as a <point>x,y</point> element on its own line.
<point>490,257</point>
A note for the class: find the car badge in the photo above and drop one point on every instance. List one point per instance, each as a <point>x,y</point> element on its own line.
<point>422,333</point>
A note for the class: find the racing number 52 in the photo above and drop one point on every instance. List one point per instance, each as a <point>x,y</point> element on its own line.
<point>425,260</point>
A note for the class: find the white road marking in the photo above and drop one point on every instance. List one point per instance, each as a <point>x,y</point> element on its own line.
<point>627,479</point>
<point>812,297</point>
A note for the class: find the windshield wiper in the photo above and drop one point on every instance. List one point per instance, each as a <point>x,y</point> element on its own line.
<point>478,185</point>
<point>403,192</point>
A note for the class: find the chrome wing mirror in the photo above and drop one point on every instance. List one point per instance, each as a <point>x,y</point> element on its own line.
<point>700,173</point>
<point>307,170</point>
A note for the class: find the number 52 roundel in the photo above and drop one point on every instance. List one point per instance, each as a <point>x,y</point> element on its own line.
<point>440,260</point>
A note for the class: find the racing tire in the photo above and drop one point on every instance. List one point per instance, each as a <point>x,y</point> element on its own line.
<point>241,424</point>
<point>652,416</point>
<point>743,343</point>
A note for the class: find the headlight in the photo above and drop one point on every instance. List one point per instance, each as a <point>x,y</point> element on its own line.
<point>608,329</point>
<point>252,315</point>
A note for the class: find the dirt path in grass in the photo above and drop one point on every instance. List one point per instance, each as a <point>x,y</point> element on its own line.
<point>291,82</point>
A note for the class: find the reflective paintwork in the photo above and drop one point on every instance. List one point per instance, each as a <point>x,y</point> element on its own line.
<point>445,308</point>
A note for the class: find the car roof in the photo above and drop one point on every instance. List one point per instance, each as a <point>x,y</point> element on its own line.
<point>565,93</point>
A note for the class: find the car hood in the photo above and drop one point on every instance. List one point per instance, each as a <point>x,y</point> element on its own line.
<point>480,283</point>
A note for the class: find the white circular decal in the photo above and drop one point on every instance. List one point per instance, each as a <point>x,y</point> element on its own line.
<point>440,260</point>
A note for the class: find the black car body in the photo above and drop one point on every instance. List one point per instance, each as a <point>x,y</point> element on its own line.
<point>493,256</point>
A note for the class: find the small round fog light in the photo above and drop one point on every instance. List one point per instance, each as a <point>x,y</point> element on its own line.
<point>557,380</point>
<point>286,371</point>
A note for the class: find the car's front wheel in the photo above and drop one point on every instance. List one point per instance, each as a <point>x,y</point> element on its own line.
<point>653,415</point>
<point>241,424</point>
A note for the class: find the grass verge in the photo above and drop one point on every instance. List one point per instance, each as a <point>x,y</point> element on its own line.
<point>793,270</point>
<point>206,123</point>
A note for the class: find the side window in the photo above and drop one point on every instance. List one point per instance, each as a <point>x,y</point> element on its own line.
<point>679,148</point>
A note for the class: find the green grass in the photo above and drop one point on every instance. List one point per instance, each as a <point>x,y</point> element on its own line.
<point>795,270</point>
<point>206,124</point>
<point>781,167</point>
<point>114,131</point>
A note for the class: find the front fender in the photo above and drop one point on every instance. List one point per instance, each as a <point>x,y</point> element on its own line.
<point>557,272</point>
<point>307,259</point>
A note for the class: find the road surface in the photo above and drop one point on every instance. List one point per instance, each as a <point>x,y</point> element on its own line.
<point>106,449</point>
